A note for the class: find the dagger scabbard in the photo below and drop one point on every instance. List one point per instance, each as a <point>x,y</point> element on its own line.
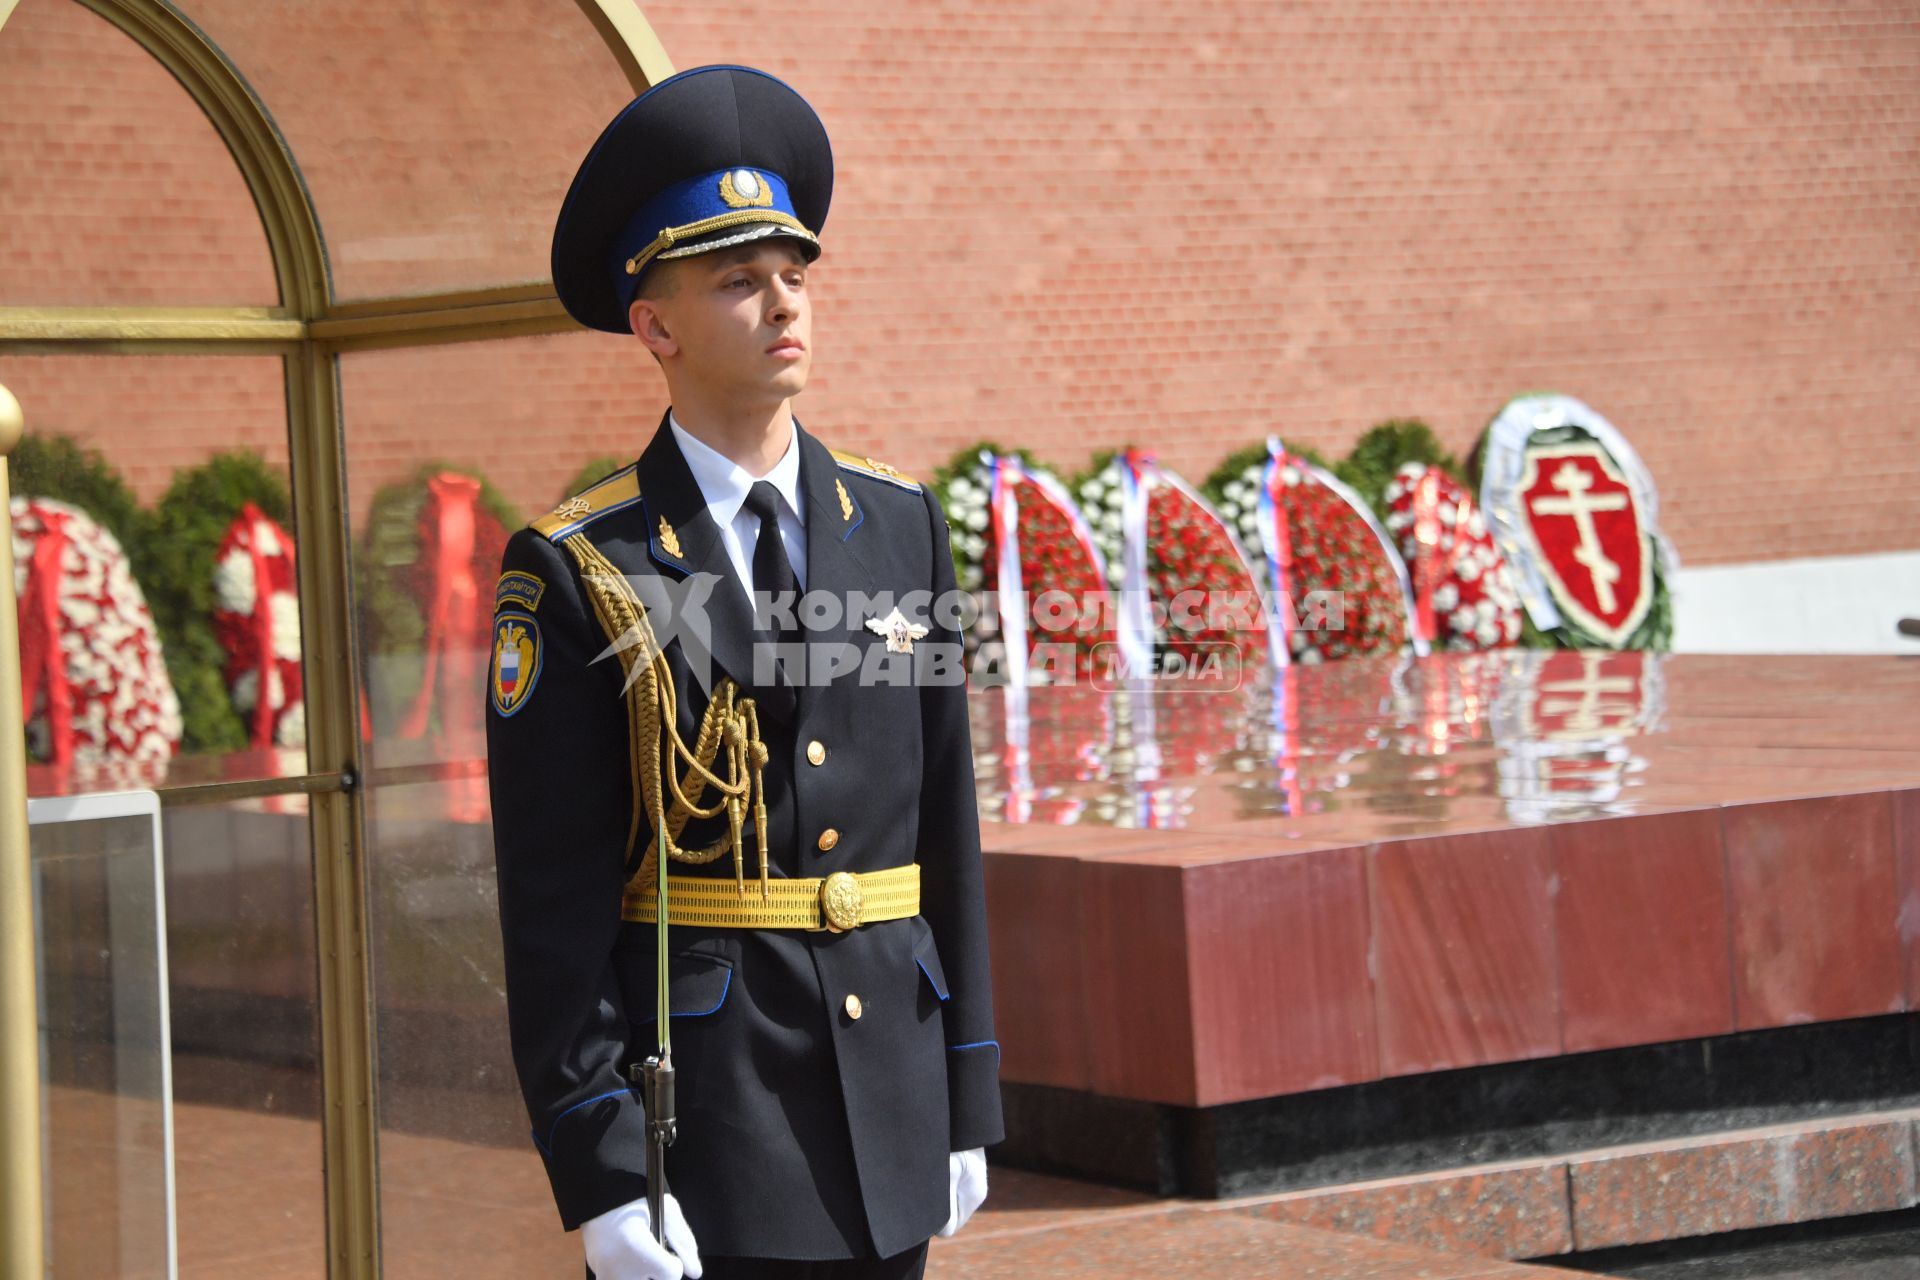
<point>656,1075</point>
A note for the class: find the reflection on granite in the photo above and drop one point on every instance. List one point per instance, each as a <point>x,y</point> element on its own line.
<point>1385,867</point>
<point>1376,748</point>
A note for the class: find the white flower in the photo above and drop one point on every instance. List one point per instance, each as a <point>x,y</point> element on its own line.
<point>1466,569</point>
<point>233,581</point>
<point>1449,515</point>
<point>1445,597</point>
<point>284,611</point>
<point>976,520</point>
<point>961,490</point>
<point>291,731</point>
<point>269,543</point>
<point>1487,633</point>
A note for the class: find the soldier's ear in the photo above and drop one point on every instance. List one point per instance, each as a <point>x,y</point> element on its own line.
<point>650,326</point>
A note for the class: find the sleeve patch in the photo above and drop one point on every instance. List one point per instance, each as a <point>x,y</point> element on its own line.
<point>520,588</point>
<point>516,660</point>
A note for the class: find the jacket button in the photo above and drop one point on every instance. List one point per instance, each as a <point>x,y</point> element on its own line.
<point>853,1007</point>
<point>816,751</point>
<point>828,839</point>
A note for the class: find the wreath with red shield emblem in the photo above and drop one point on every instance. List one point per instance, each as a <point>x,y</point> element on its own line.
<point>1575,513</point>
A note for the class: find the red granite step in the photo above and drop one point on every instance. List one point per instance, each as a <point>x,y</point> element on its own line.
<point>1455,1223</point>
<point>1035,1225</point>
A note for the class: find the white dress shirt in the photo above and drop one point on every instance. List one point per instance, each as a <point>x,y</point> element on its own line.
<point>724,484</point>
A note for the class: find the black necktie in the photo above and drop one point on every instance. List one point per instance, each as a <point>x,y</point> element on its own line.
<point>772,572</point>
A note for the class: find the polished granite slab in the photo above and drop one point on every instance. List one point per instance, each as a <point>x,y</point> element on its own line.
<point>250,1205</point>
<point>1378,868</point>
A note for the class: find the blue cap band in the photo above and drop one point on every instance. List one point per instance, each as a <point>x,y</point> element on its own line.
<point>739,198</point>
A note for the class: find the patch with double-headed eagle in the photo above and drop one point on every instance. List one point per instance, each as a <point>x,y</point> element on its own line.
<point>516,659</point>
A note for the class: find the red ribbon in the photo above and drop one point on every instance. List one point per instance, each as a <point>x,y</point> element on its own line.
<point>41,658</point>
<point>262,625</point>
<point>1427,559</point>
<point>454,621</point>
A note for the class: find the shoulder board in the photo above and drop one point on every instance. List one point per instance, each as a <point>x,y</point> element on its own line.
<point>616,492</point>
<point>876,470</point>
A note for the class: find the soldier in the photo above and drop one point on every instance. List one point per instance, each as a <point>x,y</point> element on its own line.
<point>827,981</point>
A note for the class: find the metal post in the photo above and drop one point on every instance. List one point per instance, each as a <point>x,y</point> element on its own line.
<point>21,1209</point>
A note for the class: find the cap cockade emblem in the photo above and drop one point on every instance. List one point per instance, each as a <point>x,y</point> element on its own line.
<point>745,189</point>
<point>899,632</point>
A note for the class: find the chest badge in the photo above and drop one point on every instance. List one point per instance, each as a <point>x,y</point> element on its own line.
<point>899,632</point>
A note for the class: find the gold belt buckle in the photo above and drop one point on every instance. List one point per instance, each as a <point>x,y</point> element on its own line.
<point>840,901</point>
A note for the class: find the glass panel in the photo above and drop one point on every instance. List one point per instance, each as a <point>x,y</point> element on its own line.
<point>244,1027</point>
<point>246,1076</point>
<point>437,139</point>
<point>153,606</point>
<point>462,1189</point>
<point>102,1045</point>
<point>118,191</point>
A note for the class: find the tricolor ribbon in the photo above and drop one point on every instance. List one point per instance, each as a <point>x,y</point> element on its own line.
<point>1003,512</point>
<point>43,664</point>
<point>1276,542</point>
<point>1136,603</point>
<point>1005,475</point>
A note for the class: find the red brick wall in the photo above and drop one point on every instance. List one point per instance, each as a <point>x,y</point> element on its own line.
<point>1102,221</point>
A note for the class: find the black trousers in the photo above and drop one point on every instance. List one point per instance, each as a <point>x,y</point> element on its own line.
<point>908,1264</point>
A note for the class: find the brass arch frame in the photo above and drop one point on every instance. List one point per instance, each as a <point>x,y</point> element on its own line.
<point>309,329</point>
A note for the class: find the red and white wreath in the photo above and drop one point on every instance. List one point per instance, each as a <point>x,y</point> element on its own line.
<point>1194,569</point>
<point>1007,505</point>
<point>257,620</point>
<point>1464,596</point>
<point>95,682</point>
<point>1325,547</point>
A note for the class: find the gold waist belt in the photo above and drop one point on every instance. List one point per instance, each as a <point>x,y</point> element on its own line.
<point>835,903</point>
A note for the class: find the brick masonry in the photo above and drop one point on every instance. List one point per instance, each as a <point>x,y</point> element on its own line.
<point>1071,226</point>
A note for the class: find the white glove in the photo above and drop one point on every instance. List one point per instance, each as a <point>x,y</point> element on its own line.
<point>620,1244</point>
<point>966,1187</point>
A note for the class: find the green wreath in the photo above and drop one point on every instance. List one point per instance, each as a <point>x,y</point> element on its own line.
<point>596,470</point>
<point>1386,447</point>
<point>188,524</point>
